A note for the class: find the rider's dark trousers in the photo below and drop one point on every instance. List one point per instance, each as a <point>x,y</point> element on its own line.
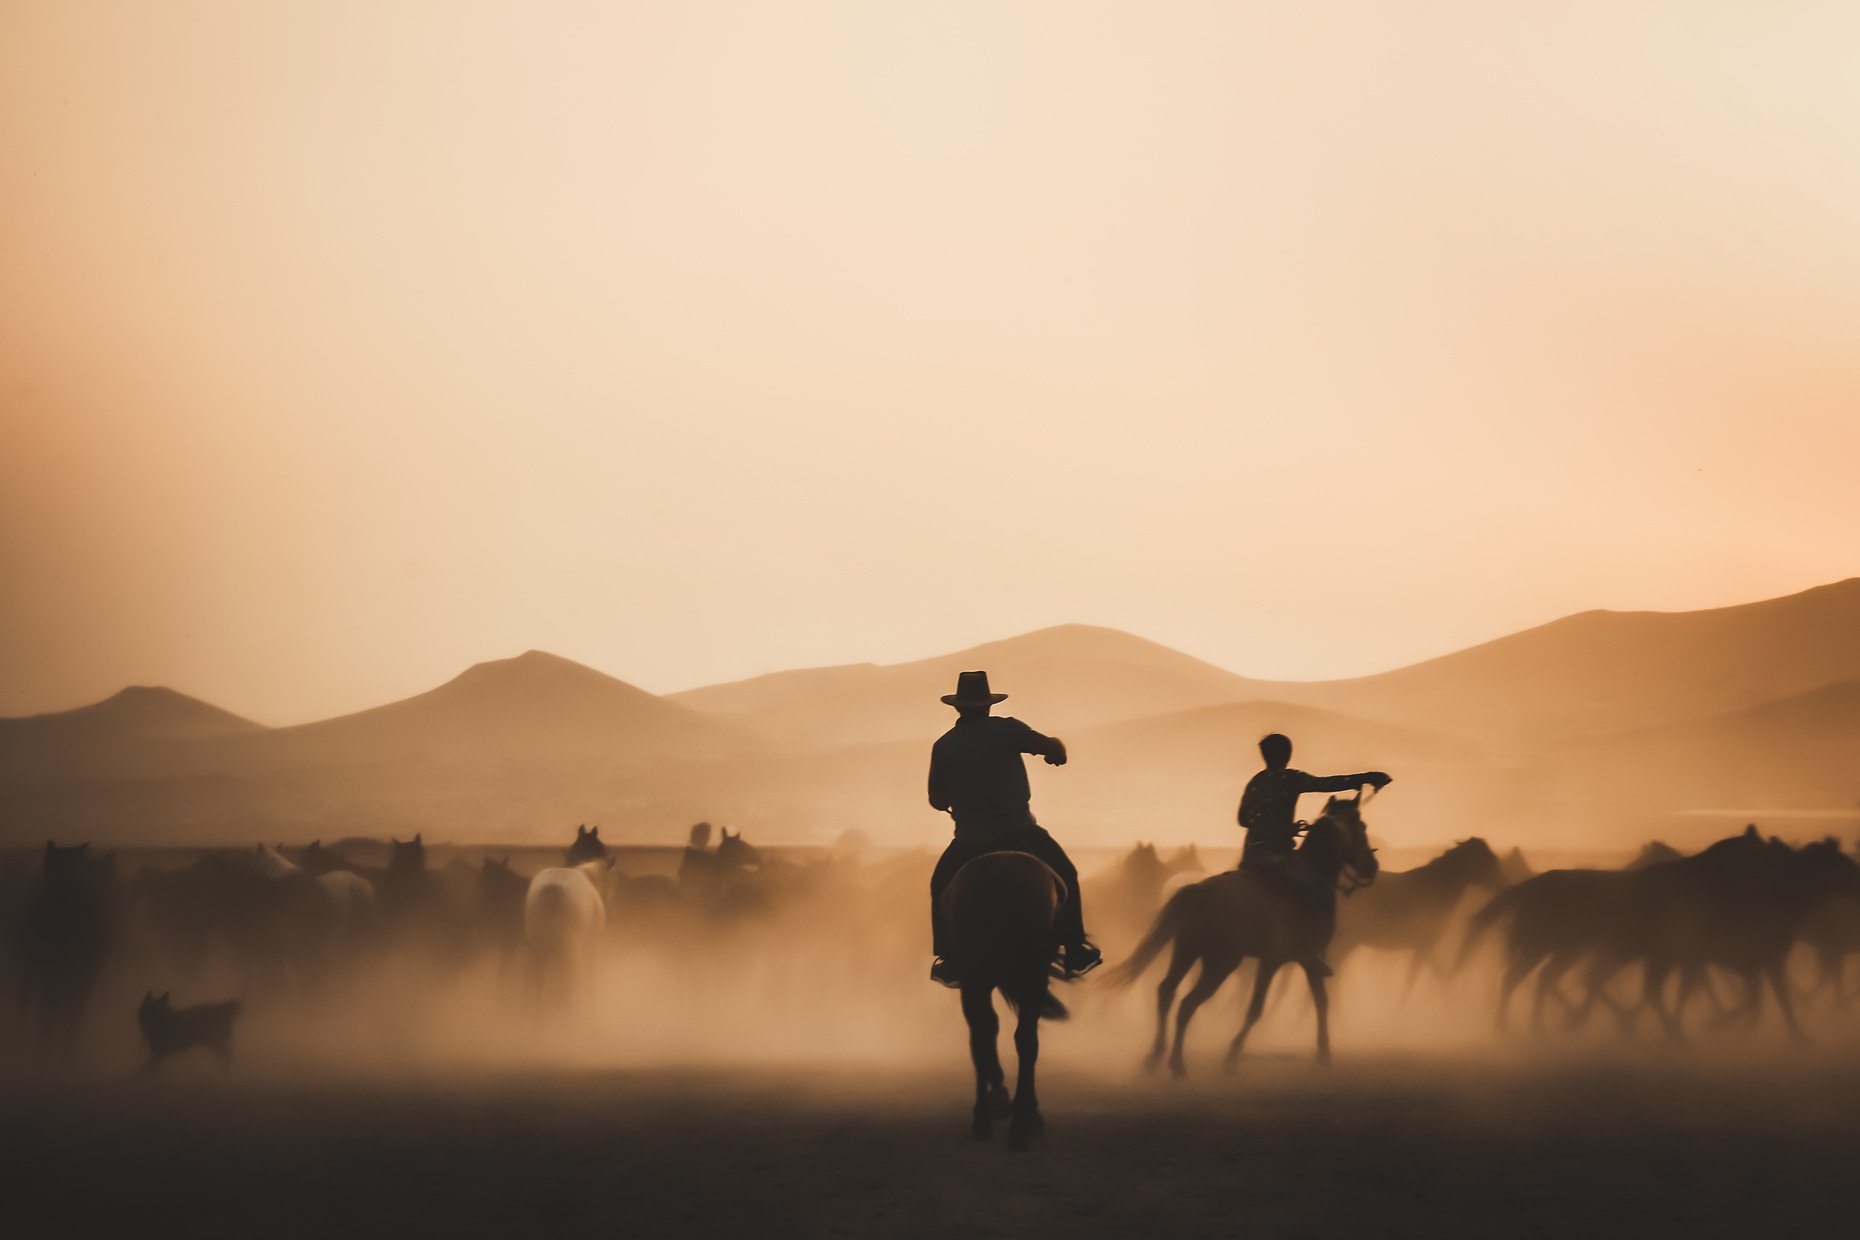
<point>1031,839</point>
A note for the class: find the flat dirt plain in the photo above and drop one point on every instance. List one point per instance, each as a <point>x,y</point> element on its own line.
<point>1646,1143</point>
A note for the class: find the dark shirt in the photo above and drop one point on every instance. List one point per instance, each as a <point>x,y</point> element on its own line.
<point>1269,806</point>
<point>976,773</point>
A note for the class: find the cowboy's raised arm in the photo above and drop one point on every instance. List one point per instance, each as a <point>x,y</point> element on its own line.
<point>1049,747</point>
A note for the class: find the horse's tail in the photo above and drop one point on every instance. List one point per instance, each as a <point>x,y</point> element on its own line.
<point>1162,932</point>
<point>1050,1006</point>
<point>1498,907</point>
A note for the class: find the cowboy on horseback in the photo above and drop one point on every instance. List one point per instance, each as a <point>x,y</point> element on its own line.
<point>1269,815</point>
<point>978,778</point>
<point>1269,806</point>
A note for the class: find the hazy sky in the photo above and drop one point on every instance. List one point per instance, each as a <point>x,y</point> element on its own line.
<point>345,344</point>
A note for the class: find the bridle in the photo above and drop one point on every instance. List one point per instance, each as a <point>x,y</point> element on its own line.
<point>1349,879</point>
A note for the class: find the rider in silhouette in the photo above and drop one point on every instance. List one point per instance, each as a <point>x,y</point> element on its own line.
<point>1269,814</point>
<point>978,778</point>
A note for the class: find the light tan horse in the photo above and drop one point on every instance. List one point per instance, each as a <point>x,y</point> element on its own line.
<point>1277,919</point>
<point>1000,911</point>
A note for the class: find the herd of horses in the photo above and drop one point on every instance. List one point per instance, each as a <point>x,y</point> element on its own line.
<point>1657,936</point>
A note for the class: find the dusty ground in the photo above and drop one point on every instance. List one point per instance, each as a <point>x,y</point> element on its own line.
<point>1430,1146</point>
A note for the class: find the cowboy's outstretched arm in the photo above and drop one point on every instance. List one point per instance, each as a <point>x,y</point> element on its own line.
<point>1344,783</point>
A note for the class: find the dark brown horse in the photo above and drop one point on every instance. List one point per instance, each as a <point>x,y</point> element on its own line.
<point>1410,910</point>
<point>1280,919</point>
<point>1000,909</point>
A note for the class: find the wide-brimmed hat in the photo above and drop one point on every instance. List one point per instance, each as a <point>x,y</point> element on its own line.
<point>972,690</point>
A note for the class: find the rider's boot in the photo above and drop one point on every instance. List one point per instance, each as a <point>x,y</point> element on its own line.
<point>942,971</point>
<point>1081,958</point>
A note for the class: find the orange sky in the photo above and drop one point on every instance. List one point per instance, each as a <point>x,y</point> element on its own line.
<point>342,345</point>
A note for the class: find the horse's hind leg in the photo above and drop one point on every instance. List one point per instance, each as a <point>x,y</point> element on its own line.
<point>1653,986</point>
<point>1262,985</point>
<point>1320,999</point>
<point>1779,982</point>
<point>1179,964</point>
<point>1206,983</point>
<point>978,1008</point>
<point>1516,969</point>
<point>1549,985</point>
<point>1027,1123</point>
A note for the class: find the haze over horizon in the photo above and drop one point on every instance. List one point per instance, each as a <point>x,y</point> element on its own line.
<point>344,347</point>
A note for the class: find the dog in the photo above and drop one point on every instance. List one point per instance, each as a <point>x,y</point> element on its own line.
<point>168,1030</point>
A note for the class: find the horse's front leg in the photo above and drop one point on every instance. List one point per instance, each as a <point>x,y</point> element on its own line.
<point>1320,999</point>
<point>1027,1123</point>
<point>1262,985</point>
<point>978,1009</point>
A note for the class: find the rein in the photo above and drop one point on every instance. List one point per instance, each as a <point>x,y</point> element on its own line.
<point>1348,880</point>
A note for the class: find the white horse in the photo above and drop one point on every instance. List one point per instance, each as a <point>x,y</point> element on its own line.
<point>563,916</point>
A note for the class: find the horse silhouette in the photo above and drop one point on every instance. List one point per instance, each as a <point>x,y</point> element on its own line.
<point>1831,931</point>
<point>1410,910</point>
<point>1000,910</point>
<point>563,915</point>
<point>1737,905</point>
<point>587,846</point>
<point>317,860</point>
<point>722,881</point>
<point>1287,917</point>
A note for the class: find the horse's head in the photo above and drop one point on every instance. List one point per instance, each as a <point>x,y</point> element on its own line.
<point>1340,841</point>
<point>1141,864</point>
<point>735,852</point>
<point>587,846</point>
<point>408,855</point>
<point>1475,860</point>
<point>1654,852</point>
<point>1185,860</point>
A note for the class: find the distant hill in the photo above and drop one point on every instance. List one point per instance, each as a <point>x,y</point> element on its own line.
<point>1591,730</point>
<point>1606,671</point>
<point>535,708</point>
<point>1066,678</point>
<point>140,730</point>
<point>1796,753</point>
<point>493,753</point>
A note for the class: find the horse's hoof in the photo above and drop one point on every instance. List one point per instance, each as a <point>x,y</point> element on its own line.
<point>1323,1057</point>
<point>1231,1065</point>
<point>1019,1139</point>
<point>1152,1062</point>
<point>1177,1069</point>
<point>1000,1102</point>
<point>982,1128</point>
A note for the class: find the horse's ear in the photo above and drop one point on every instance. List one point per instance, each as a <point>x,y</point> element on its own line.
<point>594,832</point>
<point>580,831</point>
<point>148,996</point>
<point>416,837</point>
<point>164,998</point>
